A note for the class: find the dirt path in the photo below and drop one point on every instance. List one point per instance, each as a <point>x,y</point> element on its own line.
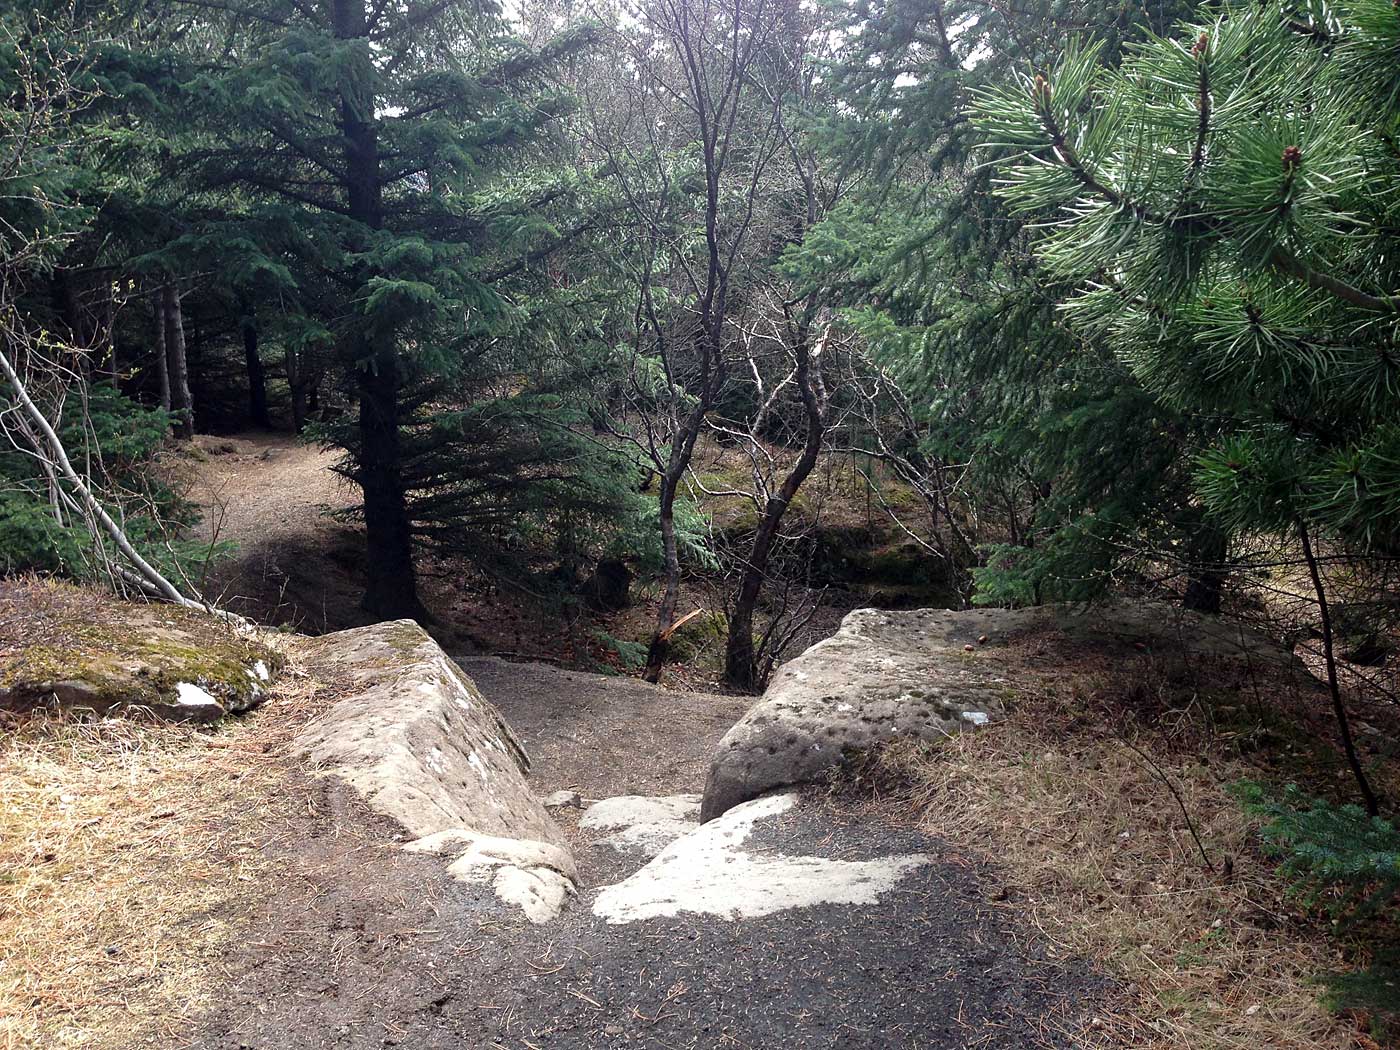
<point>275,500</point>
<point>602,735</point>
<point>363,946</point>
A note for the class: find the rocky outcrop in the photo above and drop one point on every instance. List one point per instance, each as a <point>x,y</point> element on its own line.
<point>88,652</point>
<point>880,677</point>
<point>417,740</point>
<point>922,674</point>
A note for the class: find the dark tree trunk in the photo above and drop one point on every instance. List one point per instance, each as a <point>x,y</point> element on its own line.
<point>180,403</point>
<point>391,589</point>
<point>257,375</point>
<point>1206,586</point>
<point>740,664</point>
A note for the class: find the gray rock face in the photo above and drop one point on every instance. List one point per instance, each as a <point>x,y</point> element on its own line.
<point>882,676</point>
<point>889,675</point>
<point>418,741</point>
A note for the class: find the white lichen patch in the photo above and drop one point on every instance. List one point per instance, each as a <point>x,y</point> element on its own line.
<point>706,872</point>
<point>641,824</point>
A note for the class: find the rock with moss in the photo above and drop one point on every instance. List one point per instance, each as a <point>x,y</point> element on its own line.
<point>87,652</point>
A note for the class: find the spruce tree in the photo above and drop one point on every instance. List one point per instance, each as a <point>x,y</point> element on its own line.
<point>374,134</point>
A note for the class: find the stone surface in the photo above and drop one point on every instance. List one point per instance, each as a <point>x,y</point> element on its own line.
<point>924,674</point>
<point>537,877</point>
<point>881,676</point>
<point>94,653</point>
<point>564,799</point>
<point>418,741</point>
<point>707,871</point>
<point>642,824</point>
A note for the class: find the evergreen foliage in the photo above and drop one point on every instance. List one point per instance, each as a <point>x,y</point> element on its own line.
<point>1224,210</point>
<point>1336,857</point>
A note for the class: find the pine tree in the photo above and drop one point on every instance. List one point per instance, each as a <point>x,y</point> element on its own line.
<point>376,137</point>
<point>1225,212</point>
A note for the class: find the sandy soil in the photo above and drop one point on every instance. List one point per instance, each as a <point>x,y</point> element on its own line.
<point>295,556</point>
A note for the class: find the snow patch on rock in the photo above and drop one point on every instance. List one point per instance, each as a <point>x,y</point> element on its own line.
<point>642,824</point>
<point>187,694</point>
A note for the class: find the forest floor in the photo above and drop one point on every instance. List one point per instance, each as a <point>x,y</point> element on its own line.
<point>164,886</point>
<point>297,560</point>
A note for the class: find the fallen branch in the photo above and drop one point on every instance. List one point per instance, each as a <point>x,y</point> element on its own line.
<point>666,634</point>
<point>149,576</point>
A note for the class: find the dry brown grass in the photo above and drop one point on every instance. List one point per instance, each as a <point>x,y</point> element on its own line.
<point>128,853</point>
<point>1096,854</point>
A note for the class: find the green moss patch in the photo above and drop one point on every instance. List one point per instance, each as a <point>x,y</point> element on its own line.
<point>84,649</point>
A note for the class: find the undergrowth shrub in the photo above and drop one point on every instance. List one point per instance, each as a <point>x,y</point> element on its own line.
<point>1347,863</point>
<point>115,442</point>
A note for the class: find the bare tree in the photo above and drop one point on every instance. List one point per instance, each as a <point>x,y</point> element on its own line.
<point>694,63</point>
<point>34,226</point>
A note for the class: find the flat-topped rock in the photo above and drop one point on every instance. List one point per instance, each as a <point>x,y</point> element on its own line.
<point>81,650</point>
<point>888,675</point>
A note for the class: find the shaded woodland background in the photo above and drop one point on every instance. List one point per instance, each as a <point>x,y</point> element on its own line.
<point>690,325</point>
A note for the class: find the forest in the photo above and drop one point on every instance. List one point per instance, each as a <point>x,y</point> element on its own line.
<point>652,337</point>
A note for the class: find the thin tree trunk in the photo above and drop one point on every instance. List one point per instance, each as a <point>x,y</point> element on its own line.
<point>740,665</point>
<point>181,404</point>
<point>678,462</point>
<point>162,362</point>
<point>257,375</point>
<point>391,589</point>
<point>671,569</point>
<point>148,573</point>
<point>109,341</point>
<point>1368,796</point>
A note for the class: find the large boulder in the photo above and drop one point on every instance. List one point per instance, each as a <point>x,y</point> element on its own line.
<point>923,674</point>
<point>882,676</point>
<point>417,740</point>
<point>83,650</point>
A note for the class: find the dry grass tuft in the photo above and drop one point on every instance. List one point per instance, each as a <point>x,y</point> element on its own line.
<point>128,853</point>
<point>1096,854</point>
